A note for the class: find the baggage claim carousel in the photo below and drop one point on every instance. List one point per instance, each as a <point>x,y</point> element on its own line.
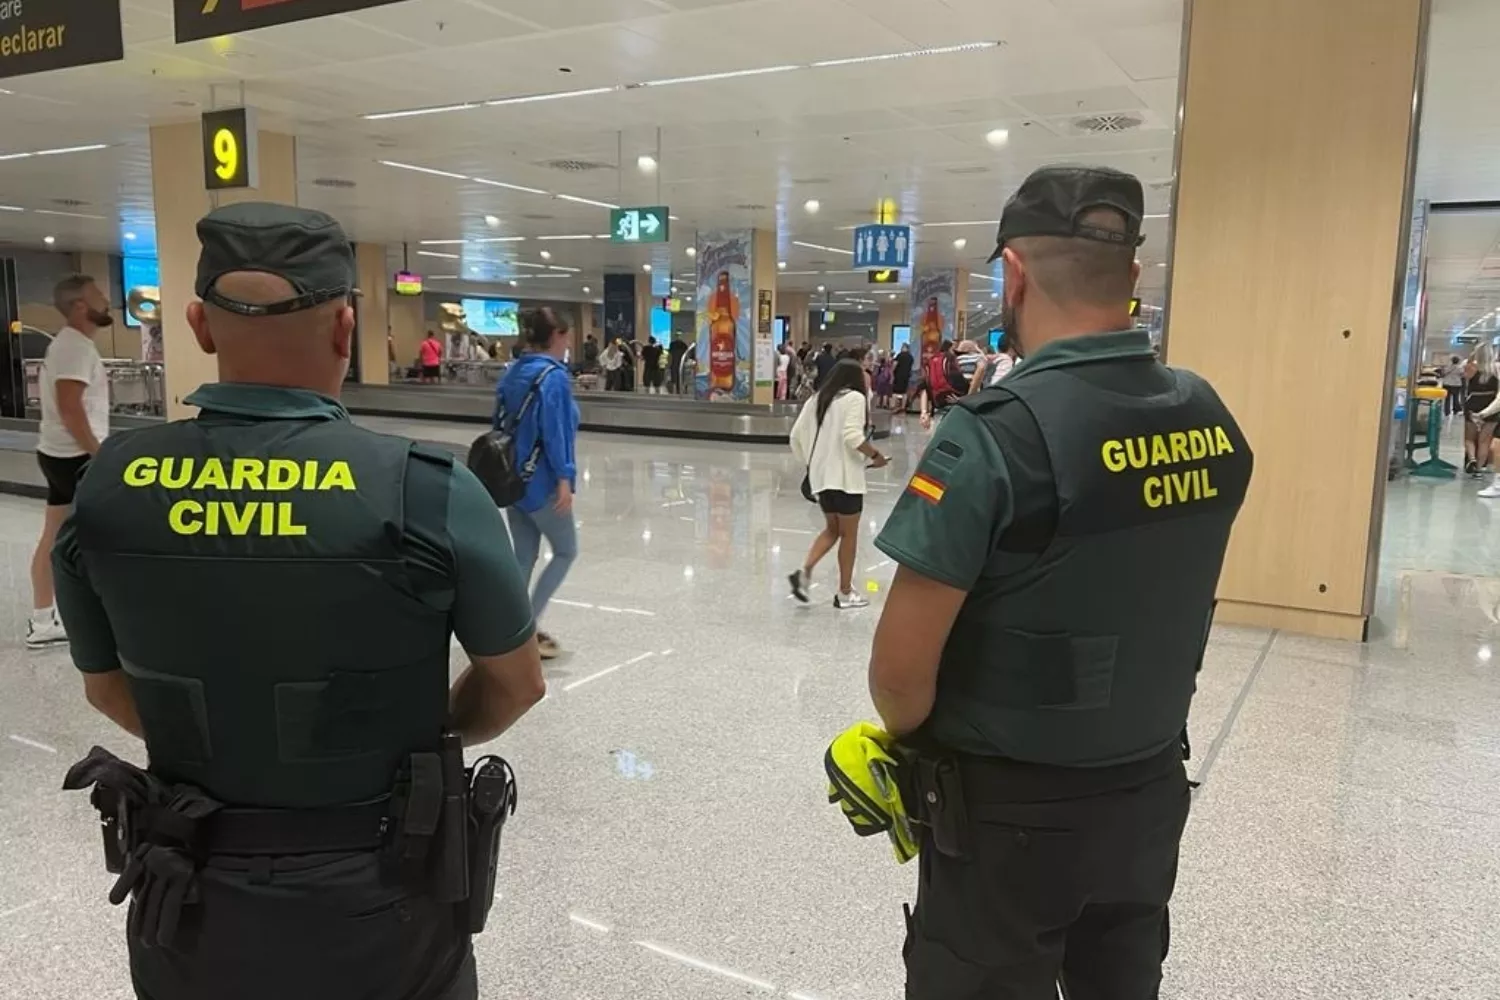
<point>605,412</point>
<point>611,413</point>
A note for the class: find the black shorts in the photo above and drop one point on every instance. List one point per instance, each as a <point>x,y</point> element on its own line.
<point>431,371</point>
<point>839,502</point>
<point>62,476</point>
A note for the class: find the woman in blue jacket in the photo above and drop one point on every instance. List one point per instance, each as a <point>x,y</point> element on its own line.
<point>546,510</point>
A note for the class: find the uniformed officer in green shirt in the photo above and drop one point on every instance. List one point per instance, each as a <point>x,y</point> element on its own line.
<point>1058,546</point>
<point>266,595</point>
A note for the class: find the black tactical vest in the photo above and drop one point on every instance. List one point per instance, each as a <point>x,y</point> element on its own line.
<point>277,644</point>
<point>1086,655</point>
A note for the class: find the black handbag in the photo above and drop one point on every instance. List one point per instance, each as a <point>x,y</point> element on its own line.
<point>492,456</point>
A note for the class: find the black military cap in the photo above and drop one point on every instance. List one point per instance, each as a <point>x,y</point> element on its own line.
<point>1053,199</point>
<point>307,248</point>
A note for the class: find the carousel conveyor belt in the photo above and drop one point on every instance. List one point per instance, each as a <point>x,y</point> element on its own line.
<point>613,413</point>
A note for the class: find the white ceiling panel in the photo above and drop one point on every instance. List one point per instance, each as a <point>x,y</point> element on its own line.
<point>1150,52</point>
<point>442,23</point>
<point>558,14</point>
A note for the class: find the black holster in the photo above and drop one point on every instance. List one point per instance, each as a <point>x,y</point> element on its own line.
<point>492,800</point>
<point>938,803</point>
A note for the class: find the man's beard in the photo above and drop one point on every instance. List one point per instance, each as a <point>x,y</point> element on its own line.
<point>100,318</point>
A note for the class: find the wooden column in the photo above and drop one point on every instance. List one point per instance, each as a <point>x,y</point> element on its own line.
<point>1293,195</point>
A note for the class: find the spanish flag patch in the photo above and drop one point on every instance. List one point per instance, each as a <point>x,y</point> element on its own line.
<point>926,487</point>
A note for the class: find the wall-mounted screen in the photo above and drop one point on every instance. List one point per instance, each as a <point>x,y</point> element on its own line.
<point>781,328</point>
<point>408,283</point>
<point>661,325</point>
<point>134,273</point>
<point>994,340</point>
<point>492,317</point>
<point>900,336</point>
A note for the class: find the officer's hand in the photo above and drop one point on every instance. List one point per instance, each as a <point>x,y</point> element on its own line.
<point>879,462</point>
<point>564,498</point>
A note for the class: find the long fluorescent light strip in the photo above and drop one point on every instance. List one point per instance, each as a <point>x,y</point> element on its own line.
<point>53,152</point>
<point>819,246</point>
<point>573,236</point>
<point>509,187</point>
<point>440,243</point>
<point>434,253</point>
<point>67,215</point>
<point>585,201</point>
<point>672,81</point>
<point>559,267</point>
<point>500,239</point>
<point>424,170</point>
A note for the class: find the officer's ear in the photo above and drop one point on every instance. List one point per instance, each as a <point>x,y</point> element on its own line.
<point>197,318</point>
<point>343,332</point>
<point>1014,275</point>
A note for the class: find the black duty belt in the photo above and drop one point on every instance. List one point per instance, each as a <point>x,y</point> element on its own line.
<point>359,827</point>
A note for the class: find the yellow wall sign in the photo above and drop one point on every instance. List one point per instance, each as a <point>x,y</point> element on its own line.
<point>230,149</point>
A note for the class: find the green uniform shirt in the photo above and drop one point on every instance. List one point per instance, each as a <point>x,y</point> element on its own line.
<point>483,592</point>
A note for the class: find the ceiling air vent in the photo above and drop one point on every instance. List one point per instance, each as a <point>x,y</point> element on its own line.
<point>976,169</point>
<point>333,182</point>
<point>537,216</point>
<point>748,207</point>
<point>810,181</point>
<point>575,166</point>
<point>68,202</point>
<point>1107,124</point>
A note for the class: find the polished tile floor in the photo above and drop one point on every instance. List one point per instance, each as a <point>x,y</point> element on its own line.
<point>674,840</point>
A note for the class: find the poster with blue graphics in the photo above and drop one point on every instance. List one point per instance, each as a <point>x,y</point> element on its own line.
<point>724,315</point>
<point>934,312</point>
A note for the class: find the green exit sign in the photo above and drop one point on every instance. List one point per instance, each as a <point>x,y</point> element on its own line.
<point>638,225</point>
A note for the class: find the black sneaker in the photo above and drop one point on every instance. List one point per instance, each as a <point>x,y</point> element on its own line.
<point>798,580</point>
<point>1471,467</point>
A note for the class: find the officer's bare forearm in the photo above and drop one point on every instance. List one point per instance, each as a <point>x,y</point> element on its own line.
<point>919,613</point>
<point>110,695</point>
<point>494,692</point>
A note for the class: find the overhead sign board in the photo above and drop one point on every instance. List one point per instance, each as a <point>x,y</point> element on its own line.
<point>638,225</point>
<point>195,19</point>
<point>882,247</point>
<point>886,277</point>
<point>40,35</point>
<point>231,155</point>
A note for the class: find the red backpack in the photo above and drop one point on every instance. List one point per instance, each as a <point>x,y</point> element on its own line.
<point>938,383</point>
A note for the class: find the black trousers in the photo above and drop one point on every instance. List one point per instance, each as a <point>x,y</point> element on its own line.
<point>324,927</point>
<point>1071,892</point>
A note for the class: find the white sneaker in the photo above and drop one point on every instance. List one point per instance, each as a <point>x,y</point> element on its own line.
<point>1491,491</point>
<point>850,600</point>
<point>44,633</point>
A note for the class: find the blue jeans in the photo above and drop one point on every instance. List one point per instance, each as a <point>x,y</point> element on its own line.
<point>527,532</point>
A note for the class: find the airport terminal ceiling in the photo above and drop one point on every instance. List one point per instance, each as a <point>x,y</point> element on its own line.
<point>744,127</point>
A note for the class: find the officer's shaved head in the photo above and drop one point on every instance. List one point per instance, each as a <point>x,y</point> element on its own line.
<point>1076,271</point>
<point>306,349</point>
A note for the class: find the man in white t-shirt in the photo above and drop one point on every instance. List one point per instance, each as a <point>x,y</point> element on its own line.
<point>75,419</point>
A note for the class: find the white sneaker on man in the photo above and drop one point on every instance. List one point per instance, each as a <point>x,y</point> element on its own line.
<point>45,630</point>
<point>1491,491</point>
<point>850,600</point>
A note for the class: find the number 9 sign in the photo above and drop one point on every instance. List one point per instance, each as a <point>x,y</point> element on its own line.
<point>229,149</point>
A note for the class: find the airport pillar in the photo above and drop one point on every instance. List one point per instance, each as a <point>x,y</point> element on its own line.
<point>938,308</point>
<point>795,306</point>
<point>763,316</point>
<point>181,200</point>
<point>374,314</point>
<point>1293,204</point>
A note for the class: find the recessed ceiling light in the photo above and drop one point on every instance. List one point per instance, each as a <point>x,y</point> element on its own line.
<point>994,295</point>
<point>49,240</point>
<point>781,265</point>
<point>646,268</point>
<point>647,164</point>
<point>1161,263</point>
<point>585,289</point>
<point>130,236</point>
<point>811,206</point>
<point>893,295</point>
<point>546,255</point>
<point>513,282</point>
<point>692,251</point>
<point>493,221</point>
<point>960,243</point>
<point>473,268</point>
<point>997,136</point>
<point>822,288</point>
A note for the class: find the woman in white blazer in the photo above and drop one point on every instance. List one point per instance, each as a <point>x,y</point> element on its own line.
<point>829,440</point>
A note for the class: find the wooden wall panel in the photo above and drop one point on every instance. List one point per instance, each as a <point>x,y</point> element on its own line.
<point>1291,212</point>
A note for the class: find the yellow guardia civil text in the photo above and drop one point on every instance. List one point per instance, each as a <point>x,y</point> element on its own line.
<point>201,512</point>
<point>1178,462</point>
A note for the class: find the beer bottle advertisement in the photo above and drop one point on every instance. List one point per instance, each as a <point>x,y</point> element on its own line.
<point>723,315</point>
<point>934,316</point>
